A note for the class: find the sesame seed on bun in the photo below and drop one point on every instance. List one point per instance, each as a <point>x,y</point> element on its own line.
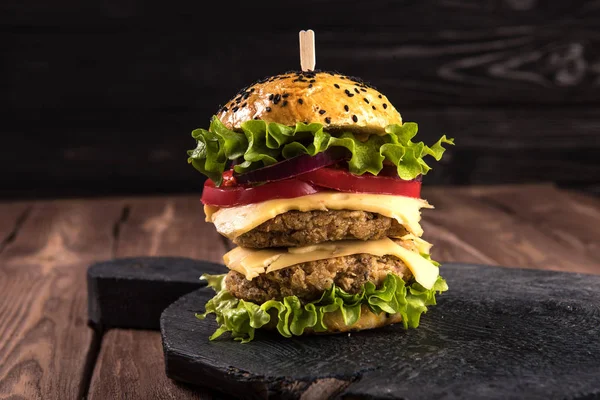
<point>330,98</point>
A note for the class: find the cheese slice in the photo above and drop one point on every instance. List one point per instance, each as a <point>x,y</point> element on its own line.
<point>252,263</point>
<point>420,245</point>
<point>232,222</point>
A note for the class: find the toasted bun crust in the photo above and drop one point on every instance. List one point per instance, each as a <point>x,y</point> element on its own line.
<point>332,99</point>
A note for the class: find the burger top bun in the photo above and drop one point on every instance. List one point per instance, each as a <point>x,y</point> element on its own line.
<point>332,99</point>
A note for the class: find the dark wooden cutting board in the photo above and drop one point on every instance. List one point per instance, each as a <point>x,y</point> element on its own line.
<point>132,292</point>
<point>498,333</point>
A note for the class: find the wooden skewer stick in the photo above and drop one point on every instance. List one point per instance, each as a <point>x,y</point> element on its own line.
<point>307,50</point>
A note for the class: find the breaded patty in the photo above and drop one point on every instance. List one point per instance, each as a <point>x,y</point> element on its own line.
<point>297,228</point>
<point>309,280</point>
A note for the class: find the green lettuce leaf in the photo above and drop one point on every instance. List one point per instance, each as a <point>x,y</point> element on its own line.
<point>241,318</point>
<point>263,144</point>
<point>428,258</point>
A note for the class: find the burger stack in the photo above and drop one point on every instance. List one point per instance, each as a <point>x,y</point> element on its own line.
<point>316,180</point>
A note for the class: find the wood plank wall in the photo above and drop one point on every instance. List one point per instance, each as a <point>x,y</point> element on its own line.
<point>100,97</point>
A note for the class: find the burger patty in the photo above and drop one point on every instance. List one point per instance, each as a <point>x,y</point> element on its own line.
<point>297,228</point>
<point>309,280</point>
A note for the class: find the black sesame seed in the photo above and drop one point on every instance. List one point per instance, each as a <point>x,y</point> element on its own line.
<point>346,108</point>
<point>322,112</point>
<point>252,90</point>
<point>268,109</point>
<point>256,117</point>
<point>363,89</point>
<point>224,109</point>
<point>310,85</point>
<point>354,118</point>
<point>328,120</point>
<point>379,96</point>
<point>271,96</point>
<point>336,85</point>
<point>276,98</point>
<point>366,100</point>
<point>356,90</point>
<point>285,95</point>
<point>312,81</point>
<point>300,101</point>
<point>244,105</point>
<point>374,108</point>
<point>246,95</point>
<point>235,108</point>
<point>384,105</point>
<point>284,103</point>
<point>348,93</point>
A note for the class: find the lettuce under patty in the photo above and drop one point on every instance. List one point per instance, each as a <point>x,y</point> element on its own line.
<point>263,144</point>
<point>241,318</point>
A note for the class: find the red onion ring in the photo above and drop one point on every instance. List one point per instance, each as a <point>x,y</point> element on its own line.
<point>294,166</point>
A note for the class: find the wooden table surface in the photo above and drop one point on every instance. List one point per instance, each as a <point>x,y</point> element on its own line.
<point>47,350</point>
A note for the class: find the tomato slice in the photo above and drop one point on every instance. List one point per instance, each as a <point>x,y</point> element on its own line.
<point>344,181</point>
<point>229,179</point>
<point>239,195</point>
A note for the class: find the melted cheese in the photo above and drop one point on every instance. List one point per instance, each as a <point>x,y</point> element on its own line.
<point>252,263</point>
<point>235,221</point>
<point>419,244</point>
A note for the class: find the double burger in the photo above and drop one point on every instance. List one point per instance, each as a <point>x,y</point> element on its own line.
<point>316,179</point>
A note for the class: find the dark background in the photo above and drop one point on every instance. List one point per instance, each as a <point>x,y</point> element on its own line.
<point>100,98</point>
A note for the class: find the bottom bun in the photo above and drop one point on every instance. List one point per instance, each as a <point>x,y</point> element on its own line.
<point>334,321</point>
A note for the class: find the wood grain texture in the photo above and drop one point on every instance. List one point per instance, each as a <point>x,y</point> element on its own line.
<point>521,65</point>
<point>12,217</point>
<point>557,214</point>
<point>102,153</point>
<point>132,292</point>
<point>470,227</point>
<point>534,336</point>
<point>494,236</point>
<point>44,340</point>
<point>584,202</point>
<point>442,52</point>
<point>43,335</point>
<point>160,226</point>
<point>131,366</point>
<point>134,88</point>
